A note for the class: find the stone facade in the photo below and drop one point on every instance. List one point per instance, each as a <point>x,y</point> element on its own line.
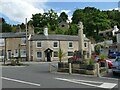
<point>64,45</point>
<point>12,46</point>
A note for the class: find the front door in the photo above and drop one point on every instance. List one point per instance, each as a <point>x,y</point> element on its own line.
<point>48,56</point>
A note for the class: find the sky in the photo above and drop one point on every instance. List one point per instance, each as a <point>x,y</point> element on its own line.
<point>15,11</point>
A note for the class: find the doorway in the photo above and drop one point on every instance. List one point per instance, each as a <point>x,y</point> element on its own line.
<point>48,54</point>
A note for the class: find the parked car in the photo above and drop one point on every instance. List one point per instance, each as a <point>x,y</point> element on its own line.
<point>113,54</point>
<point>97,59</point>
<point>74,59</point>
<point>108,61</point>
<point>116,66</point>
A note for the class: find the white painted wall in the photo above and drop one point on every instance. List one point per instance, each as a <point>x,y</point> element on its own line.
<point>2,42</point>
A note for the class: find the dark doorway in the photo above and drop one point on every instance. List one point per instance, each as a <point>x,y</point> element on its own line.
<point>48,54</point>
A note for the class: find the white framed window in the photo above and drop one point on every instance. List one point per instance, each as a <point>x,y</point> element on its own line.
<point>70,44</point>
<point>23,53</point>
<point>55,44</point>
<point>39,44</point>
<point>2,43</point>
<point>70,53</point>
<point>23,41</point>
<point>55,53</point>
<point>85,44</point>
<point>39,54</point>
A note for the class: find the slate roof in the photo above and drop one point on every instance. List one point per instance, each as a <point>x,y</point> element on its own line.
<point>56,37</point>
<point>42,37</point>
<point>13,35</point>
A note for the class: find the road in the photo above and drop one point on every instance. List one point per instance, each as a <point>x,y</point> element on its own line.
<point>37,76</point>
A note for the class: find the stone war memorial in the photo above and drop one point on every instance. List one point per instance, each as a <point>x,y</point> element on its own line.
<point>83,65</point>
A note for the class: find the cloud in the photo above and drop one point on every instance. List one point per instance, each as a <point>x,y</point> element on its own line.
<point>113,9</point>
<point>68,12</point>
<point>70,18</point>
<point>18,10</point>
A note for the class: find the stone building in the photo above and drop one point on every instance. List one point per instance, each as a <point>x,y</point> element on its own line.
<point>47,46</point>
<point>11,43</point>
<point>41,47</point>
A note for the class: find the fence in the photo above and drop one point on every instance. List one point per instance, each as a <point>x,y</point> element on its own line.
<point>70,68</point>
<point>53,67</point>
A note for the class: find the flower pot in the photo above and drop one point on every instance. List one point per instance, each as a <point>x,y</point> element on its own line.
<point>83,66</point>
<point>60,64</point>
<point>102,64</point>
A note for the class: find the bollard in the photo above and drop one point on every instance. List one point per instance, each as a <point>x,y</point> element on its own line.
<point>49,67</point>
<point>98,69</point>
<point>70,69</point>
<point>107,67</point>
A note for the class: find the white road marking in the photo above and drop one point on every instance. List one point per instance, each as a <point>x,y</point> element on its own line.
<point>15,80</point>
<point>12,66</point>
<point>88,81</point>
<point>107,85</point>
<point>84,82</point>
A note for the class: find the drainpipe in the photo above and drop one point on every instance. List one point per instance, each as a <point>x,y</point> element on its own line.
<point>5,56</point>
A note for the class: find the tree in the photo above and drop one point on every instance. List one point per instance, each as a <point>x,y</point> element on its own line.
<point>77,16</point>
<point>73,30</point>
<point>63,17</point>
<point>5,27</point>
<point>47,18</point>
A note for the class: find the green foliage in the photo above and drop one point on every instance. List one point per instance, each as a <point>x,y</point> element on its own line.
<point>63,17</point>
<point>73,30</point>
<point>91,62</point>
<point>94,19</point>
<point>59,31</point>
<point>6,27</point>
<point>41,20</point>
<point>38,30</point>
<point>60,55</point>
<point>102,56</point>
<point>97,49</point>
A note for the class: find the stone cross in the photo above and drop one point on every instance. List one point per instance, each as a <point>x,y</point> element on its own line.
<point>80,25</point>
<point>81,38</point>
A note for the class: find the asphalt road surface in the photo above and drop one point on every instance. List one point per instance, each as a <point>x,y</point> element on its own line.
<point>37,76</point>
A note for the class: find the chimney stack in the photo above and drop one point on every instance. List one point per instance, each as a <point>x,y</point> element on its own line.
<point>46,31</point>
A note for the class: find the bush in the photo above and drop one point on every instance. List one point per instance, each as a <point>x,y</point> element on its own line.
<point>91,62</point>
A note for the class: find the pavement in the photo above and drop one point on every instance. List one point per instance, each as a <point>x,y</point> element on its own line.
<point>37,75</point>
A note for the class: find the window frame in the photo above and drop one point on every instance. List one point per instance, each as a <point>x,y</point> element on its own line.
<point>54,54</point>
<point>37,44</point>
<point>23,41</point>
<point>85,44</point>
<point>57,44</point>
<point>69,44</point>
<point>68,53</point>
<point>37,55</point>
